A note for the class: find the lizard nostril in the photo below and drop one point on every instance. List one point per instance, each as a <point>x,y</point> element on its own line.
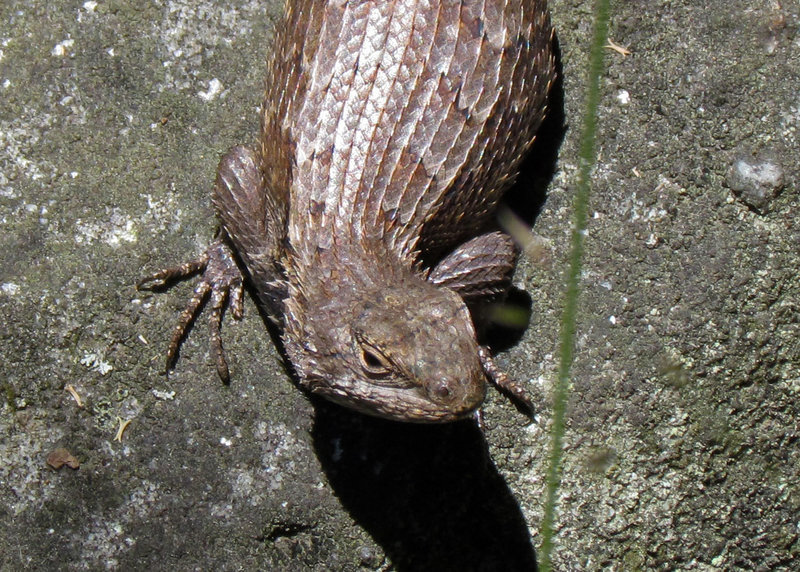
<point>441,391</point>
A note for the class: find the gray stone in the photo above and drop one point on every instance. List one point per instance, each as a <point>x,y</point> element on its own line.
<point>756,180</point>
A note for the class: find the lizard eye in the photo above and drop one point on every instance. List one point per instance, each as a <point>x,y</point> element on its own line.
<point>373,361</point>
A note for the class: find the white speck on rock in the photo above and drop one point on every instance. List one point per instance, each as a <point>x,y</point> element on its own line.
<point>96,363</point>
<point>62,48</point>
<point>164,395</point>
<point>214,89</point>
<point>117,229</point>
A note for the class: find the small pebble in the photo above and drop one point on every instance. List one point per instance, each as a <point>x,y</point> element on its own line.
<point>60,457</point>
<point>755,180</point>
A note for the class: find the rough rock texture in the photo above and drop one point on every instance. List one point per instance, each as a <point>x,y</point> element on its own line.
<point>682,442</point>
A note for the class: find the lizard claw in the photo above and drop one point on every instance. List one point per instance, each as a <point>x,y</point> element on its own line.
<point>511,388</point>
<point>221,281</point>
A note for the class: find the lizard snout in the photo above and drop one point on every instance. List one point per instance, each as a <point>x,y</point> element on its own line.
<point>462,394</point>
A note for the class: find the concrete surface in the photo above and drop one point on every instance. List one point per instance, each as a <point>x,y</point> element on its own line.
<point>682,442</point>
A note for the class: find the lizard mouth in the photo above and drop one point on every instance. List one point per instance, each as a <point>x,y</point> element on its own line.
<point>409,403</point>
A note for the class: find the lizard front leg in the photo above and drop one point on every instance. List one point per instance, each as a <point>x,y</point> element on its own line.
<point>479,270</point>
<point>239,197</point>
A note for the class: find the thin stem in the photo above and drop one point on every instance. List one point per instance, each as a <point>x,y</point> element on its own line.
<point>568,317</point>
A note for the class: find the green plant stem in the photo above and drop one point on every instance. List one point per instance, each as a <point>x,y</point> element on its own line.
<point>567,338</point>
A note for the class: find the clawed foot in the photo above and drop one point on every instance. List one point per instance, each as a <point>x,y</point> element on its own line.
<point>519,397</point>
<point>222,279</point>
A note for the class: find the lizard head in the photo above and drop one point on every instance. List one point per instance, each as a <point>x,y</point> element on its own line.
<point>405,351</point>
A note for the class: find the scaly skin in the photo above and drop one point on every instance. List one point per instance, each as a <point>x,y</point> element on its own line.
<point>390,131</point>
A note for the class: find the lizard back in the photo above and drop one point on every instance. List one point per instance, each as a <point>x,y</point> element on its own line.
<point>401,121</point>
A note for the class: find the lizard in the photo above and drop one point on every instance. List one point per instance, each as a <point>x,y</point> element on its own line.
<point>363,218</point>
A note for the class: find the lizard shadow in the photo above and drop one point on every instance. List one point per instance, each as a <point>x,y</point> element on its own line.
<point>430,495</point>
<point>528,194</point>
<point>525,200</point>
